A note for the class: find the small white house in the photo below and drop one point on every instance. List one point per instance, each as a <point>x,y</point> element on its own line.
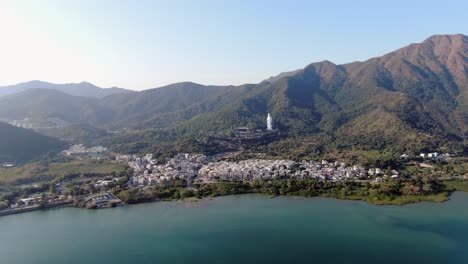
<point>7,165</point>
<point>28,201</point>
<point>404,156</point>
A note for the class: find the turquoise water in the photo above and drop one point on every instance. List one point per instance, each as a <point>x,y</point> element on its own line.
<point>242,229</point>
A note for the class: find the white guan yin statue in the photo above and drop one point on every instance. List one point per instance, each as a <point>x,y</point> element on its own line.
<point>269,122</point>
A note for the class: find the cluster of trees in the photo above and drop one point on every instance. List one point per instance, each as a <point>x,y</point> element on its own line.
<point>417,186</point>
<point>162,145</point>
<point>10,197</point>
<point>4,203</point>
<point>413,186</point>
<point>175,189</point>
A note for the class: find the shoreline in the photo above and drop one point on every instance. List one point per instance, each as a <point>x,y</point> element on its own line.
<point>34,208</point>
<point>397,201</point>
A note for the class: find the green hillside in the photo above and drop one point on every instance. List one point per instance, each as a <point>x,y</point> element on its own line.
<point>408,100</point>
<point>45,103</point>
<point>412,99</point>
<point>169,105</point>
<point>19,145</point>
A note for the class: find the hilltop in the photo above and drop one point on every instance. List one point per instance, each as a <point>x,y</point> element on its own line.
<point>411,99</point>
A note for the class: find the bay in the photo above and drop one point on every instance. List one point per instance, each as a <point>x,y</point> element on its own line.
<point>242,229</point>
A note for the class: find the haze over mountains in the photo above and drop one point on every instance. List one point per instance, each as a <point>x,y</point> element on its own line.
<point>418,93</point>
<point>78,89</point>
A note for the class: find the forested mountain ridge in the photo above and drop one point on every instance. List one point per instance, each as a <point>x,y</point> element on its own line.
<point>48,103</point>
<point>19,145</point>
<point>415,97</point>
<point>417,93</point>
<point>165,106</point>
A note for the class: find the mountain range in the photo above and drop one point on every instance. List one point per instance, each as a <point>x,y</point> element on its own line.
<point>415,97</point>
<point>78,89</point>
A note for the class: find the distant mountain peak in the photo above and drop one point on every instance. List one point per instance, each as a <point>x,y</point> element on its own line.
<point>445,37</point>
<point>273,79</point>
<point>86,83</point>
<point>34,83</point>
<point>84,89</point>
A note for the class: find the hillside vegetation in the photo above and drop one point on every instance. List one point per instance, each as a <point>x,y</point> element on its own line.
<point>20,145</point>
<point>412,99</point>
<point>44,171</point>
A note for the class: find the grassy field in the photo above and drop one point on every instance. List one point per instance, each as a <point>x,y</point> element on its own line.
<point>85,167</point>
<point>36,172</point>
<point>395,200</point>
<point>9,176</point>
<point>407,199</point>
<point>450,186</point>
<point>456,185</point>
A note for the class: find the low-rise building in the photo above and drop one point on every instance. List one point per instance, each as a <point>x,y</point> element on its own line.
<point>103,200</point>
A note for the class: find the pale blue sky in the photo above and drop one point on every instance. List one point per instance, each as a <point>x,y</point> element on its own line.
<point>147,44</point>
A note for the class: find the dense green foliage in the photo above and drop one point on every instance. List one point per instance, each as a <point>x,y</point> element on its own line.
<point>78,134</point>
<point>456,185</point>
<point>394,191</point>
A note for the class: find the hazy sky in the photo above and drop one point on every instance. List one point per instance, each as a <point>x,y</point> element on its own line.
<point>146,44</point>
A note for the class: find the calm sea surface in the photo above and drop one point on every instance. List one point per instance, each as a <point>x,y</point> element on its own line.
<point>242,229</point>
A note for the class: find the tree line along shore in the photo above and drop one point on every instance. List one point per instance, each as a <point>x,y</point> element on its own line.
<point>135,179</point>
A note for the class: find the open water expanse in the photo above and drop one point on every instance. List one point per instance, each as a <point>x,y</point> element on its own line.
<point>242,229</point>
